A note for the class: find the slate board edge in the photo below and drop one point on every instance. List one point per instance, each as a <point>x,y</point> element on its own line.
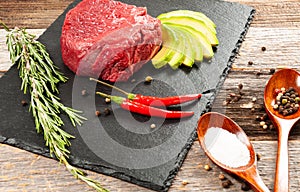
<point>181,156</point>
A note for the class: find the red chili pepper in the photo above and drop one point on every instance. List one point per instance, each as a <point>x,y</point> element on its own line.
<point>165,101</point>
<point>155,101</point>
<point>142,109</point>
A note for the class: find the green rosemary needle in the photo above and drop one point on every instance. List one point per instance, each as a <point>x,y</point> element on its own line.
<point>40,78</point>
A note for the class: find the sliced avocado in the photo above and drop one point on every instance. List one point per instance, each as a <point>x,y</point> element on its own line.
<point>159,60</point>
<point>188,13</point>
<point>178,49</point>
<point>195,45</point>
<point>169,39</point>
<point>198,25</point>
<point>189,51</point>
<point>201,38</point>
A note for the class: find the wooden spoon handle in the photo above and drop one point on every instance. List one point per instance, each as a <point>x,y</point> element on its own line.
<point>259,185</point>
<point>255,180</point>
<point>282,163</point>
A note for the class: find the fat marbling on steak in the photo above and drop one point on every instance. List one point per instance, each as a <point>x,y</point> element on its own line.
<point>108,39</point>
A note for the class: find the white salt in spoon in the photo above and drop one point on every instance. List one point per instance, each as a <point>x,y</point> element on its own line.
<point>247,171</point>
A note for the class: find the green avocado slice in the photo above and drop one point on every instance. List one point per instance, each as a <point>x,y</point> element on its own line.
<point>198,25</point>
<point>179,49</point>
<point>169,39</point>
<point>200,37</point>
<point>188,13</point>
<point>189,51</point>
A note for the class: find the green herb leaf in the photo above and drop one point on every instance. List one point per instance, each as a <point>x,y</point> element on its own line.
<point>37,72</point>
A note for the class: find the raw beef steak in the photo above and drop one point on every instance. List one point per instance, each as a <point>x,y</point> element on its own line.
<point>108,39</point>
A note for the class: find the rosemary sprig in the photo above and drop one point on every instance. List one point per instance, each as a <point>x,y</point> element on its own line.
<point>39,78</point>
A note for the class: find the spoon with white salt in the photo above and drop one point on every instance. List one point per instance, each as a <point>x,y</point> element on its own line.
<point>227,145</point>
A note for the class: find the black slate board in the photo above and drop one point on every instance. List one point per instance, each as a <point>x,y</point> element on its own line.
<point>121,144</point>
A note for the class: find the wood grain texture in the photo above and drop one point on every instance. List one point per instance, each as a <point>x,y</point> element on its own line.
<point>276,26</point>
<point>25,171</point>
<point>40,14</point>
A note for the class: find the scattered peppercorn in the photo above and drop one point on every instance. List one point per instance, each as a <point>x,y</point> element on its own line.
<point>24,103</point>
<point>240,86</point>
<point>106,111</point>
<point>265,126</point>
<point>262,123</point>
<point>234,96</point>
<point>152,126</point>
<point>207,167</point>
<point>226,184</point>
<point>225,102</point>
<point>258,156</point>
<point>245,186</point>
<point>84,92</point>
<point>257,118</point>
<point>258,73</point>
<point>148,79</point>
<point>222,176</point>
<point>264,116</point>
<point>250,62</point>
<point>263,48</point>
<point>272,71</point>
<point>107,100</point>
<point>97,113</point>
<point>184,182</point>
<point>254,99</point>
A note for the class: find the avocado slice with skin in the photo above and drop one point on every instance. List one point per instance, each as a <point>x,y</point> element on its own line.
<point>196,24</point>
<point>188,13</point>
<point>201,38</point>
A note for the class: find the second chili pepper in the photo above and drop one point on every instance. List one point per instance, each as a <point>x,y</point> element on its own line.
<point>155,101</point>
<point>165,101</point>
<point>145,109</point>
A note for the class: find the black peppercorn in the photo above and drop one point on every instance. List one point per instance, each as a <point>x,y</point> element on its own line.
<point>245,186</point>
<point>286,101</point>
<point>24,103</point>
<point>257,118</point>
<point>226,184</point>
<point>106,111</point>
<point>272,71</point>
<point>240,86</point>
<point>258,156</point>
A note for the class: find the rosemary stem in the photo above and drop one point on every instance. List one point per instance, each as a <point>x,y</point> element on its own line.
<point>37,72</point>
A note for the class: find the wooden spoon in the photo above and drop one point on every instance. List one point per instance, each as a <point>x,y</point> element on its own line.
<point>247,172</point>
<point>283,78</point>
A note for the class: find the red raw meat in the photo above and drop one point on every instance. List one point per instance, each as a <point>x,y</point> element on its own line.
<point>109,39</point>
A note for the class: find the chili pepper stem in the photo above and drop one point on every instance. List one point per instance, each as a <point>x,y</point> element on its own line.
<point>111,86</point>
<point>115,99</point>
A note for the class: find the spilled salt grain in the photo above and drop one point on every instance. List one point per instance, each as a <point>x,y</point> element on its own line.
<point>226,148</point>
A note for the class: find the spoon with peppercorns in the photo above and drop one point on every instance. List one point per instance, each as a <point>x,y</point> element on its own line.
<point>281,100</point>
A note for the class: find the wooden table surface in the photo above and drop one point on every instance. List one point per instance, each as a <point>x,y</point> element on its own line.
<point>276,27</point>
